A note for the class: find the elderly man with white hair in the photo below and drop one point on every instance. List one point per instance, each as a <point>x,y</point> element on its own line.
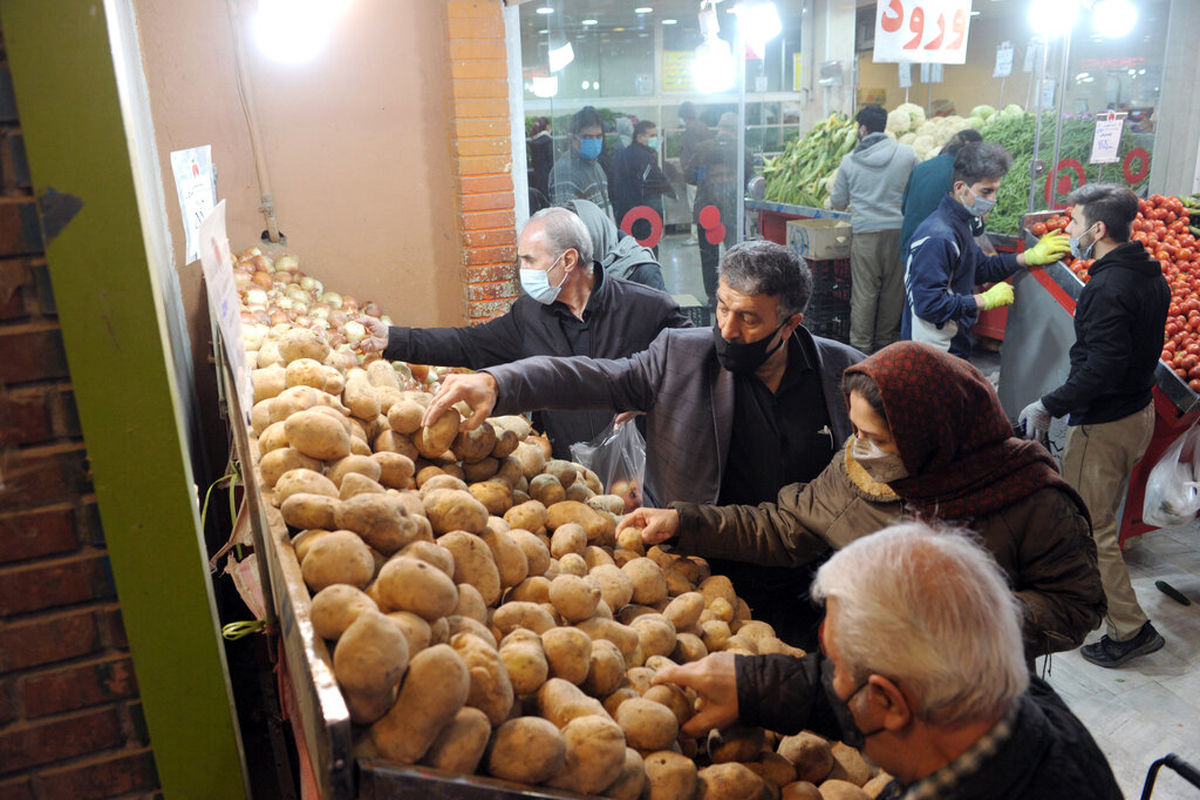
<point>922,670</point>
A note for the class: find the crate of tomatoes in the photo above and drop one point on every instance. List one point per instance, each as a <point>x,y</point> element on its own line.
<point>1163,226</point>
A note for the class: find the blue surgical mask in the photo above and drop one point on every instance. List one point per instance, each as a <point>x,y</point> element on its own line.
<point>652,142</point>
<point>536,283</point>
<point>981,205</point>
<point>590,148</point>
<point>1079,250</point>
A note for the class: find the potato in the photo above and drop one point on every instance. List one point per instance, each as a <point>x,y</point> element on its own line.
<point>335,607</point>
<point>392,442</point>
<point>485,469</point>
<point>649,585</point>
<point>371,656</point>
<point>455,510</point>
<point>598,528</point>
<point>535,589</point>
<point>595,556</point>
<point>611,503</point>
<point>618,696</point>
<point>730,781</point>
<point>456,624</point>
<point>812,755</point>
<point>310,372</point>
<point>647,725</point>
<point>717,586</point>
<point>606,669</point>
<point>595,753</point>
<point>470,604</point>
<point>578,493</point>
<point>268,382</point>
<point>431,553</point>
<point>684,610</point>
<point>561,701</point>
<point>354,484</point>
<point>302,480</point>
<point>276,463</point>
<point>514,422</point>
<point>531,458</point>
<point>473,563</point>
<point>474,445</point>
<point>506,441</point>
<point>688,648</point>
<point>317,435</point>
<point>434,690</point>
<point>837,789</point>
<point>616,587</point>
<point>395,470</point>
<point>735,743</point>
<point>303,541</point>
<point>530,516</point>
<point>736,644</point>
<point>670,776</point>
<point>876,785</point>
<point>511,563</point>
<point>363,465</point>
<point>624,637</point>
<point>524,660</point>
<point>435,439</point>
<point>273,437</point>
<point>656,635</point>
<point>409,584</point>
<point>848,765</point>
<point>415,629</point>
<point>531,616</point>
<point>302,343</point>
<point>405,416</point>
<point>509,473</point>
<point>569,653</point>
<point>574,598</point>
<point>800,790</point>
<point>437,480</point>
<point>490,692</point>
<point>546,490</point>
<point>306,511</point>
<point>673,698</point>
<point>631,780</point>
<point>382,373</point>
<point>568,538</point>
<point>714,634</point>
<point>572,564</point>
<point>381,519</point>
<point>460,746</point>
<point>338,557</point>
<point>773,768</point>
<point>527,750</point>
<point>631,539</point>
<point>639,678</point>
<point>537,554</point>
<point>754,630</point>
<point>260,416</point>
<point>495,497</point>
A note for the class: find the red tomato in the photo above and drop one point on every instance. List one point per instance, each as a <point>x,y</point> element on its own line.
<point>1039,229</point>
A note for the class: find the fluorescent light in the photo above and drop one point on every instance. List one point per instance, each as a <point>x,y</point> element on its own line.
<point>1113,18</point>
<point>544,31</point>
<point>1065,14</point>
<point>545,10</point>
<point>294,32</point>
<point>760,24</point>
<point>561,56</point>
<point>669,21</point>
<point>643,10</point>
<point>588,22</point>
<point>618,28</point>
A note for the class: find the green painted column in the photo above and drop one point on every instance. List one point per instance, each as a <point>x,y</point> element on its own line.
<point>111,313</point>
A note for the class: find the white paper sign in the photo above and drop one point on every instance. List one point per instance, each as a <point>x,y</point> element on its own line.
<point>196,185</point>
<point>1106,140</point>
<point>1004,61</point>
<point>915,31</point>
<point>217,263</point>
<point>905,76</point>
<point>1047,93</point>
<point>931,73</point>
<point>1031,54</point>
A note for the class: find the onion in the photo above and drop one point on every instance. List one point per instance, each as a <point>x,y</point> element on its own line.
<point>242,279</point>
<point>304,321</point>
<point>263,318</point>
<point>332,299</point>
<point>354,331</point>
<point>263,263</point>
<point>284,303</point>
<point>323,324</point>
<point>319,310</point>
<point>279,318</point>
<point>336,338</point>
<point>278,329</point>
<point>300,297</point>
<point>256,297</point>
<point>338,318</point>
<point>282,277</point>
<point>263,279</point>
<point>248,318</point>
<point>287,263</point>
<point>349,303</point>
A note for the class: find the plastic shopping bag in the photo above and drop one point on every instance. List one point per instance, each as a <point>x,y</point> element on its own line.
<point>1173,488</point>
<point>618,457</point>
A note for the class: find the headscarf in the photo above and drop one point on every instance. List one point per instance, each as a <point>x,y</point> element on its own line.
<point>954,437</point>
<point>619,255</point>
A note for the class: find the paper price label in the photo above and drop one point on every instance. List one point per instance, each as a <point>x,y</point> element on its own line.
<point>1106,140</point>
<point>922,31</point>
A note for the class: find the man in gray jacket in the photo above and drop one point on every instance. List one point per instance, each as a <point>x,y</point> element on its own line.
<point>871,181</point>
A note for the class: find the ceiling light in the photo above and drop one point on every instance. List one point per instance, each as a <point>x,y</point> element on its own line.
<point>588,22</point>
<point>618,28</point>
<point>760,24</point>
<point>643,10</point>
<point>294,32</point>
<point>545,10</point>
<point>669,21</point>
<point>544,31</point>
<point>1065,14</point>
<point>585,85</point>
<point>1113,18</point>
<point>713,65</point>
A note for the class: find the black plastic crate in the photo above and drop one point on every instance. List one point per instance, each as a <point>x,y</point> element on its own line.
<point>829,317</point>
<point>831,279</point>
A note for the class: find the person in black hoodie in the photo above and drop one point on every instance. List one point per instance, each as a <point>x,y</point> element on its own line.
<point>637,178</point>
<point>922,670</point>
<point>1119,322</point>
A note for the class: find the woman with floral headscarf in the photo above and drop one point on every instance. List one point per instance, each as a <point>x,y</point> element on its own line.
<point>930,442</point>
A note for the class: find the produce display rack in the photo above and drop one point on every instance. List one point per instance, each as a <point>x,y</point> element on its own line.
<point>1040,332</point>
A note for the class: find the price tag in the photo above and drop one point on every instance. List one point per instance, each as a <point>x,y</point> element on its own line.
<point>1031,54</point>
<point>1047,100</point>
<point>217,263</point>
<point>196,185</point>
<point>916,31</point>
<point>1004,61</point>
<point>931,73</point>
<point>1106,140</point>
<point>905,76</point>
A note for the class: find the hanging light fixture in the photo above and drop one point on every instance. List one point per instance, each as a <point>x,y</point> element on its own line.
<point>713,66</point>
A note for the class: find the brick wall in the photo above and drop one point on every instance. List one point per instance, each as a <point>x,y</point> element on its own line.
<point>483,155</point>
<point>71,723</point>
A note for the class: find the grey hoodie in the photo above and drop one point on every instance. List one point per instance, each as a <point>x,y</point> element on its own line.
<point>871,180</point>
<point>618,254</point>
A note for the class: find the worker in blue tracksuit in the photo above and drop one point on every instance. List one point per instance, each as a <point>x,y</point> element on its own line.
<point>944,264</point>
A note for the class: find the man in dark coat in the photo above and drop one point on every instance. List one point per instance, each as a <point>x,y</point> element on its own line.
<point>570,307</point>
<point>922,670</point>
<point>1119,324</point>
<point>637,179</point>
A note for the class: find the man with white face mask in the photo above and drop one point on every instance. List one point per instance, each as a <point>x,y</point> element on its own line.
<point>944,264</point>
<point>1107,396</point>
<point>568,307</point>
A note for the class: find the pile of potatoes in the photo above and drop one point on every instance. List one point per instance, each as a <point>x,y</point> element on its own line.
<point>482,614</point>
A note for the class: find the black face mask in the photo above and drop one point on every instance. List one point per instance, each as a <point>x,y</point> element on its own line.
<point>851,733</point>
<point>744,359</point>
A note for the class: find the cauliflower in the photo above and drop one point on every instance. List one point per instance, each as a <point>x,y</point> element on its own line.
<point>983,111</point>
<point>904,118</point>
<point>923,145</point>
<point>908,138</point>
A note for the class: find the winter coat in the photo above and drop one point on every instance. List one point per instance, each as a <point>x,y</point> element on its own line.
<point>929,182</point>
<point>573,176</point>
<point>871,180</point>
<point>943,267</point>
<point>1043,543</point>
<point>1050,754</point>
<point>1119,323</point>
<point>685,393</point>
<point>637,180</point>
<point>623,318</point>
<point>618,253</point>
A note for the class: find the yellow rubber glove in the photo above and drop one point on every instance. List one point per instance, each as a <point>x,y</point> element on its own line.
<point>1050,248</point>
<point>999,295</point>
